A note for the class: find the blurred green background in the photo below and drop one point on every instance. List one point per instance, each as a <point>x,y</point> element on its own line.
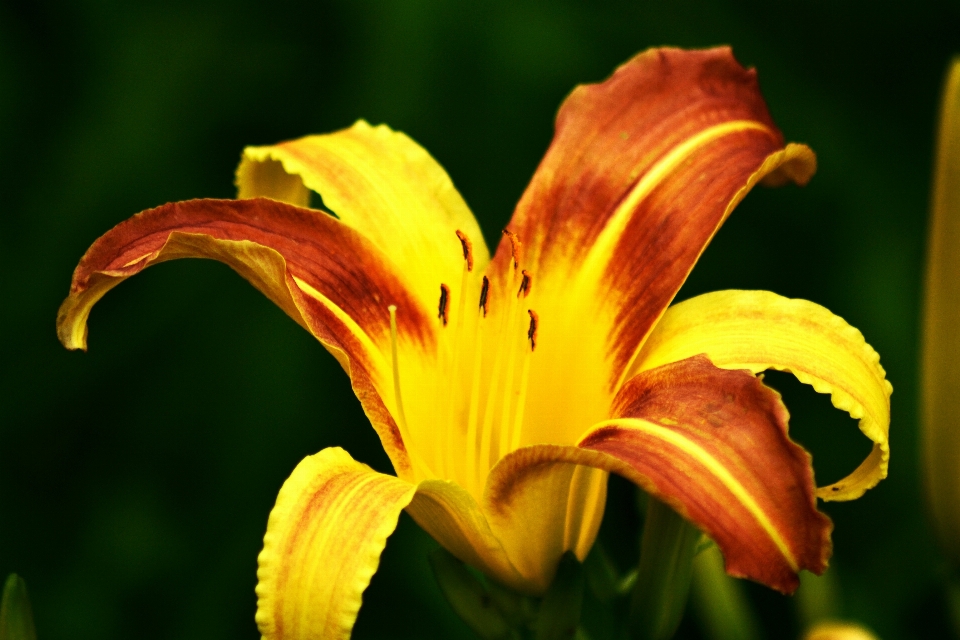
<point>136,479</point>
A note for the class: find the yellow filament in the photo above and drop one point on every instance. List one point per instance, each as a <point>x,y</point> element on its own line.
<point>449,428</point>
<point>511,372</point>
<point>486,433</point>
<point>474,410</point>
<point>521,402</point>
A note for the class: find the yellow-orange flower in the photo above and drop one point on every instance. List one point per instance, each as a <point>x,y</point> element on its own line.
<point>504,389</point>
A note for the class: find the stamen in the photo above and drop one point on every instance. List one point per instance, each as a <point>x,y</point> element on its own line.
<point>532,331</point>
<point>449,430</point>
<point>444,298</point>
<point>524,382</point>
<point>484,290</point>
<point>507,321</point>
<point>473,413</point>
<point>512,343</point>
<point>525,283</point>
<point>467,249</point>
<point>516,247</point>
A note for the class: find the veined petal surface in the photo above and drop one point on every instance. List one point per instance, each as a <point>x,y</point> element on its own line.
<point>455,519</point>
<point>384,185</point>
<point>712,443</point>
<point>642,170</point>
<point>759,330</point>
<point>325,275</point>
<point>323,544</point>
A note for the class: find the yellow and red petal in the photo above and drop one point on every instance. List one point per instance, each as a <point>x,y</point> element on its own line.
<point>323,543</point>
<point>325,275</point>
<point>759,330</point>
<point>642,170</point>
<point>382,184</point>
<point>543,500</point>
<point>453,518</point>
<point>712,443</point>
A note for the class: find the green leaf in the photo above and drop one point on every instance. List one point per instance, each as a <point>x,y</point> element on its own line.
<point>16,618</point>
<point>722,607</point>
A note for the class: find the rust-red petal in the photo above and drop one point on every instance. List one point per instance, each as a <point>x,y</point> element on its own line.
<point>713,444</point>
<point>325,275</point>
<point>642,170</point>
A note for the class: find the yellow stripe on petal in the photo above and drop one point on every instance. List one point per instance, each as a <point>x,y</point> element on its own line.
<point>712,443</point>
<point>606,242</point>
<point>323,544</point>
<point>372,350</point>
<point>712,466</point>
<point>384,185</point>
<point>941,334</point>
<point>759,330</point>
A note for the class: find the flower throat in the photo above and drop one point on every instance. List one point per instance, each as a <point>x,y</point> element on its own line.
<point>480,393</point>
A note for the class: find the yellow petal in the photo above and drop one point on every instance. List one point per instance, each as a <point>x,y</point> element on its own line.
<point>941,331</point>
<point>759,330</point>
<point>323,544</point>
<point>384,185</point>
<point>453,518</point>
<point>537,504</point>
<point>839,631</point>
<point>541,504</point>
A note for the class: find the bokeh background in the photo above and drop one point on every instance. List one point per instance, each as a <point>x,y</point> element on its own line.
<point>136,479</point>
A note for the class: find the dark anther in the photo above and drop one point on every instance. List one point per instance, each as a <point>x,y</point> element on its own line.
<point>516,247</point>
<point>444,297</point>
<point>467,249</point>
<point>525,283</point>
<point>484,290</point>
<point>532,331</point>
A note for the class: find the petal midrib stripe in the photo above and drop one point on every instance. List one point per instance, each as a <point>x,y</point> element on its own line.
<point>607,239</point>
<point>345,318</point>
<point>719,471</point>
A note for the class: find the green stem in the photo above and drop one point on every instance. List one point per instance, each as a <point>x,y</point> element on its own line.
<point>721,605</point>
<point>818,598</point>
<point>663,581</point>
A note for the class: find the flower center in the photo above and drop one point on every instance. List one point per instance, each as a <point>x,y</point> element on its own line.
<point>482,374</point>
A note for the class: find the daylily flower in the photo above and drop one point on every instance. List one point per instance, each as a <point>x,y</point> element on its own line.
<point>505,389</point>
